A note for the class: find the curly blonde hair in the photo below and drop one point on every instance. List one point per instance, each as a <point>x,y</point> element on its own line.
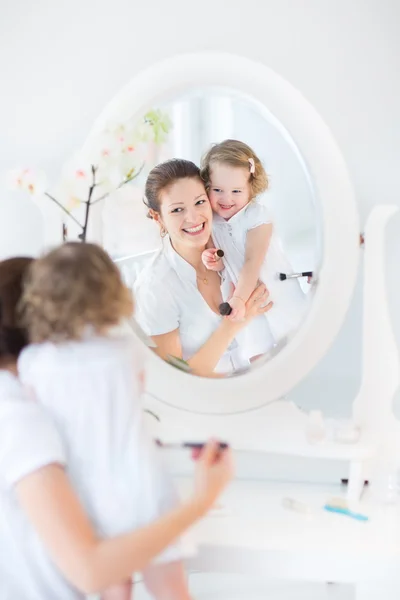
<point>235,154</point>
<point>70,288</point>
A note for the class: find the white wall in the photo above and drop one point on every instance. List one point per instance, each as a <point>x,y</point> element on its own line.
<point>60,63</point>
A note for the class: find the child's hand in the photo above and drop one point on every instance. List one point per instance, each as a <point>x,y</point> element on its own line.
<point>211,261</point>
<point>238,309</point>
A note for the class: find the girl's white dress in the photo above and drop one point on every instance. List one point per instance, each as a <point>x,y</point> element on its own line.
<point>91,389</point>
<point>289,300</point>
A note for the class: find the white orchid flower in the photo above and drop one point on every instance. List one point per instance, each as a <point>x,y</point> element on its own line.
<point>72,203</point>
<point>76,179</point>
<point>28,180</point>
<point>144,131</point>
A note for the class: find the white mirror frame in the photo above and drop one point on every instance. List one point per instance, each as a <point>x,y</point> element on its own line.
<point>340,241</point>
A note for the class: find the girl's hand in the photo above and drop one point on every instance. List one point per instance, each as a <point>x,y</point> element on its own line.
<point>211,261</point>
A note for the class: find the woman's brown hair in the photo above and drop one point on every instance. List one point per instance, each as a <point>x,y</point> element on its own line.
<point>163,176</point>
<point>13,337</point>
<point>236,154</point>
<point>71,288</point>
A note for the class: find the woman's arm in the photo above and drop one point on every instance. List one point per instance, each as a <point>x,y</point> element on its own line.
<point>257,244</point>
<point>204,361</point>
<point>92,564</point>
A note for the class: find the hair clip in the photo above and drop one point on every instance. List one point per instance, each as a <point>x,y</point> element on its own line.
<point>252,166</point>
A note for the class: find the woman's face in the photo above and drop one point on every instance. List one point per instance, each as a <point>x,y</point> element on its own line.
<point>186,213</point>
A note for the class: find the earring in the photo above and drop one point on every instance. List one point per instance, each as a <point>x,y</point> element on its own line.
<point>163,232</point>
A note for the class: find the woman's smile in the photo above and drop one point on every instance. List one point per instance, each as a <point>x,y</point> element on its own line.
<point>195,230</point>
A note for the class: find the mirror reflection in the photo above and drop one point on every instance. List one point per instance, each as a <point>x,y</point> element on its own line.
<point>219,237</point>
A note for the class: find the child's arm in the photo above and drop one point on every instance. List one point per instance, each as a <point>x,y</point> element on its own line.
<point>257,244</point>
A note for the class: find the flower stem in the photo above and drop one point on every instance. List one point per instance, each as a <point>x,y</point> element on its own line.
<point>63,208</point>
<point>88,203</point>
<point>120,185</point>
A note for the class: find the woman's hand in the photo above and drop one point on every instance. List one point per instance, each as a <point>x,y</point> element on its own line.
<point>214,470</point>
<point>256,305</point>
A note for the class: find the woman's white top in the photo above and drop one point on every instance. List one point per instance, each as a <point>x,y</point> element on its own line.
<point>28,441</point>
<point>289,300</point>
<point>91,389</point>
<point>167,298</point>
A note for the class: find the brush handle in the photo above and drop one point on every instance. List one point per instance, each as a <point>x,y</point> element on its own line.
<point>191,445</point>
<point>346,512</point>
<point>200,445</point>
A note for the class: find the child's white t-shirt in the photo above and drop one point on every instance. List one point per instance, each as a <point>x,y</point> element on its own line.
<point>289,301</point>
<point>28,441</point>
<point>92,389</point>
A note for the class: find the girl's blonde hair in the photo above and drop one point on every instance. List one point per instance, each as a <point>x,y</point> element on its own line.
<point>72,287</point>
<point>236,154</point>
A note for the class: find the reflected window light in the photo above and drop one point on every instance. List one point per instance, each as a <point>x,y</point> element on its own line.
<point>200,121</point>
<point>218,120</point>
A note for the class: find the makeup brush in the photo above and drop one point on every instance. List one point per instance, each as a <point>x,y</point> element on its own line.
<point>225,309</point>
<point>283,276</point>
<point>190,445</point>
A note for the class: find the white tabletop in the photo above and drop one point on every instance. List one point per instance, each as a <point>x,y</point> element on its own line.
<point>253,532</point>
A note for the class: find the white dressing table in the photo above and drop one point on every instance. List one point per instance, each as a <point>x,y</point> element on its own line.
<point>258,536</point>
<point>257,549</point>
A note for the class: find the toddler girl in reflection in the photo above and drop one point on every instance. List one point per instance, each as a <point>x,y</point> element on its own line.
<point>88,372</point>
<point>243,229</point>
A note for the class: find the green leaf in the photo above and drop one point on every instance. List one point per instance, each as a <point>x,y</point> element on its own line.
<point>178,363</point>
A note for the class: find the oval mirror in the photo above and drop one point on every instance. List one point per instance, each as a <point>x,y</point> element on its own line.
<point>272,193</point>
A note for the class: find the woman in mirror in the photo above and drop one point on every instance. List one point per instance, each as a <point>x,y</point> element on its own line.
<point>177,298</point>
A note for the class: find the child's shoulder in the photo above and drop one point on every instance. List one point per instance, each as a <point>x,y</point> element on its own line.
<point>257,214</point>
<point>10,387</point>
<point>91,350</point>
<point>30,355</point>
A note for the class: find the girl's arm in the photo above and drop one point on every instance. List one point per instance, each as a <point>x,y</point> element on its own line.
<point>257,244</point>
<point>92,564</point>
